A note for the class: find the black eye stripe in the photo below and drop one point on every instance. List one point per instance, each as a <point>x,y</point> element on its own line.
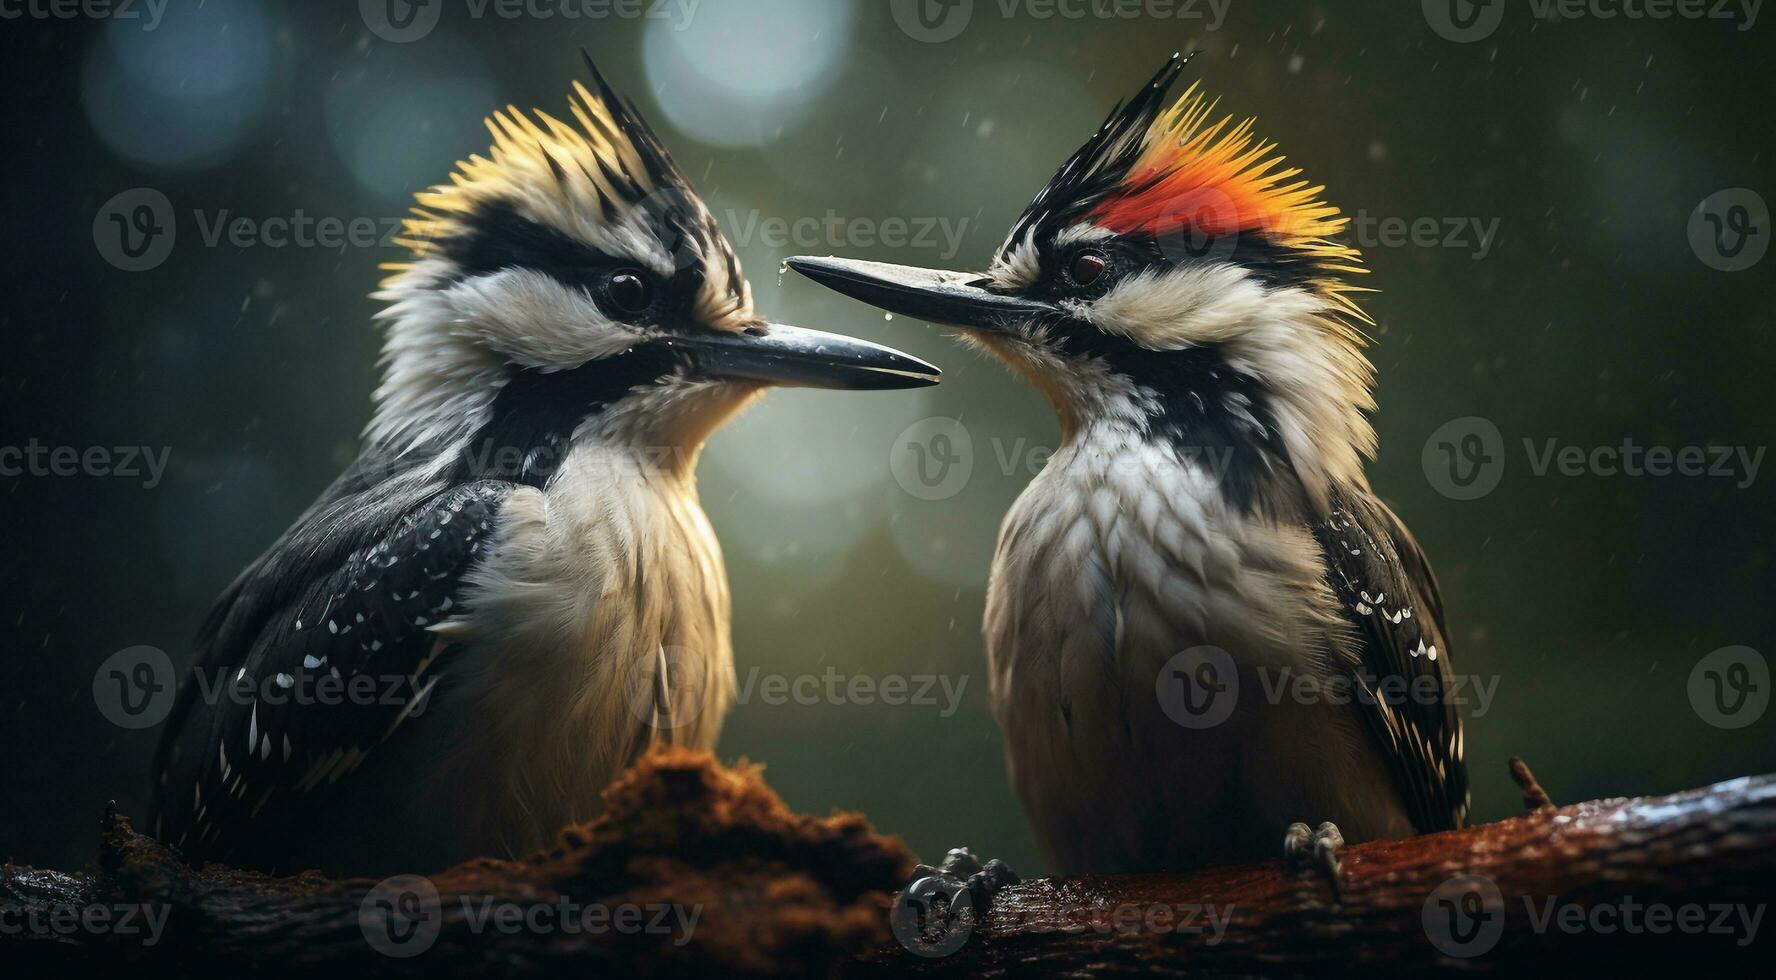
<point>1266,260</point>
<point>1121,256</point>
<point>498,237</point>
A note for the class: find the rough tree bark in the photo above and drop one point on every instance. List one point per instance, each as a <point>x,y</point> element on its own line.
<point>1675,882</point>
<point>1670,882</point>
<point>693,869</point>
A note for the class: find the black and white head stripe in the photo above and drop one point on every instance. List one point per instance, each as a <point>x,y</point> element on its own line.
<point>1100,166</point>
<point>606,183</point>
<point>517,260</point>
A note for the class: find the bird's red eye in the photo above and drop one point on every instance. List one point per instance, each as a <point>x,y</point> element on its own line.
<point>630,292</point>
<point>1086,268</point>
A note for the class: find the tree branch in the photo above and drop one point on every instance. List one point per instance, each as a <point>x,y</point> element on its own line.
<point>1672,882</point>
<point>693,869</point>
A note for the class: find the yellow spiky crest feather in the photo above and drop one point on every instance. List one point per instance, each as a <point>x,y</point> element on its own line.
<point>1191,168</point>
<point>596,159</point>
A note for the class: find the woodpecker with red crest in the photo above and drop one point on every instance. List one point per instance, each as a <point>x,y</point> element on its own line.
<point>1180,298</point>
<point>513,591</point>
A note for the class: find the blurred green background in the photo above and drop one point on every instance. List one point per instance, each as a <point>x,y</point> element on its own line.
<point>1586,318</point>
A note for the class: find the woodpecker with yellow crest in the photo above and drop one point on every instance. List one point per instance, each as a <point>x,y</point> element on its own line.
<point>1205,530</point>
<point>514,589</point>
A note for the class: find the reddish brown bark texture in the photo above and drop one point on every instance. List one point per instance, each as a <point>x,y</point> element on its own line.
<point>1567,890</point>
<point>772,892</point>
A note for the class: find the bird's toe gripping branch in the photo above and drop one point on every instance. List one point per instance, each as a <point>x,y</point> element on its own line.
<point>1318,847</point>
<point>935,914</point>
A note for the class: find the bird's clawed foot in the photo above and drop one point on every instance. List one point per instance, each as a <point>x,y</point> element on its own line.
<point>935,914</point>
<point>1319,848</point>
<point>961,869</point>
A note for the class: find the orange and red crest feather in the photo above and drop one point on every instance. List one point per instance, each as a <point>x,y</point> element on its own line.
<point>1171,171</point>
<point>1218,177</point>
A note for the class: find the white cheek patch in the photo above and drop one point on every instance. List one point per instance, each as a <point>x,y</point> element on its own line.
<point>536,322</point>
<point>1168,309</point>
<point>1017,266</point>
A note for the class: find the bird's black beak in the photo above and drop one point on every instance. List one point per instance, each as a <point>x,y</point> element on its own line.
<point>954,299</point>
<point>796,357</point>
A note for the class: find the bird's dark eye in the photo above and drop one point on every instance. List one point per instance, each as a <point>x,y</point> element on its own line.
<point>630,292</point>
<point>1086,269</point>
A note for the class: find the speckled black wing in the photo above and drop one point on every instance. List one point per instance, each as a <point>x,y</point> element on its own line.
<point>303,679</point>
<point>1390,598</point>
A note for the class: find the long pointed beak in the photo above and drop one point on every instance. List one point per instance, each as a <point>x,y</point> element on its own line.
<point>796,357</point>
<point>956,299</point>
